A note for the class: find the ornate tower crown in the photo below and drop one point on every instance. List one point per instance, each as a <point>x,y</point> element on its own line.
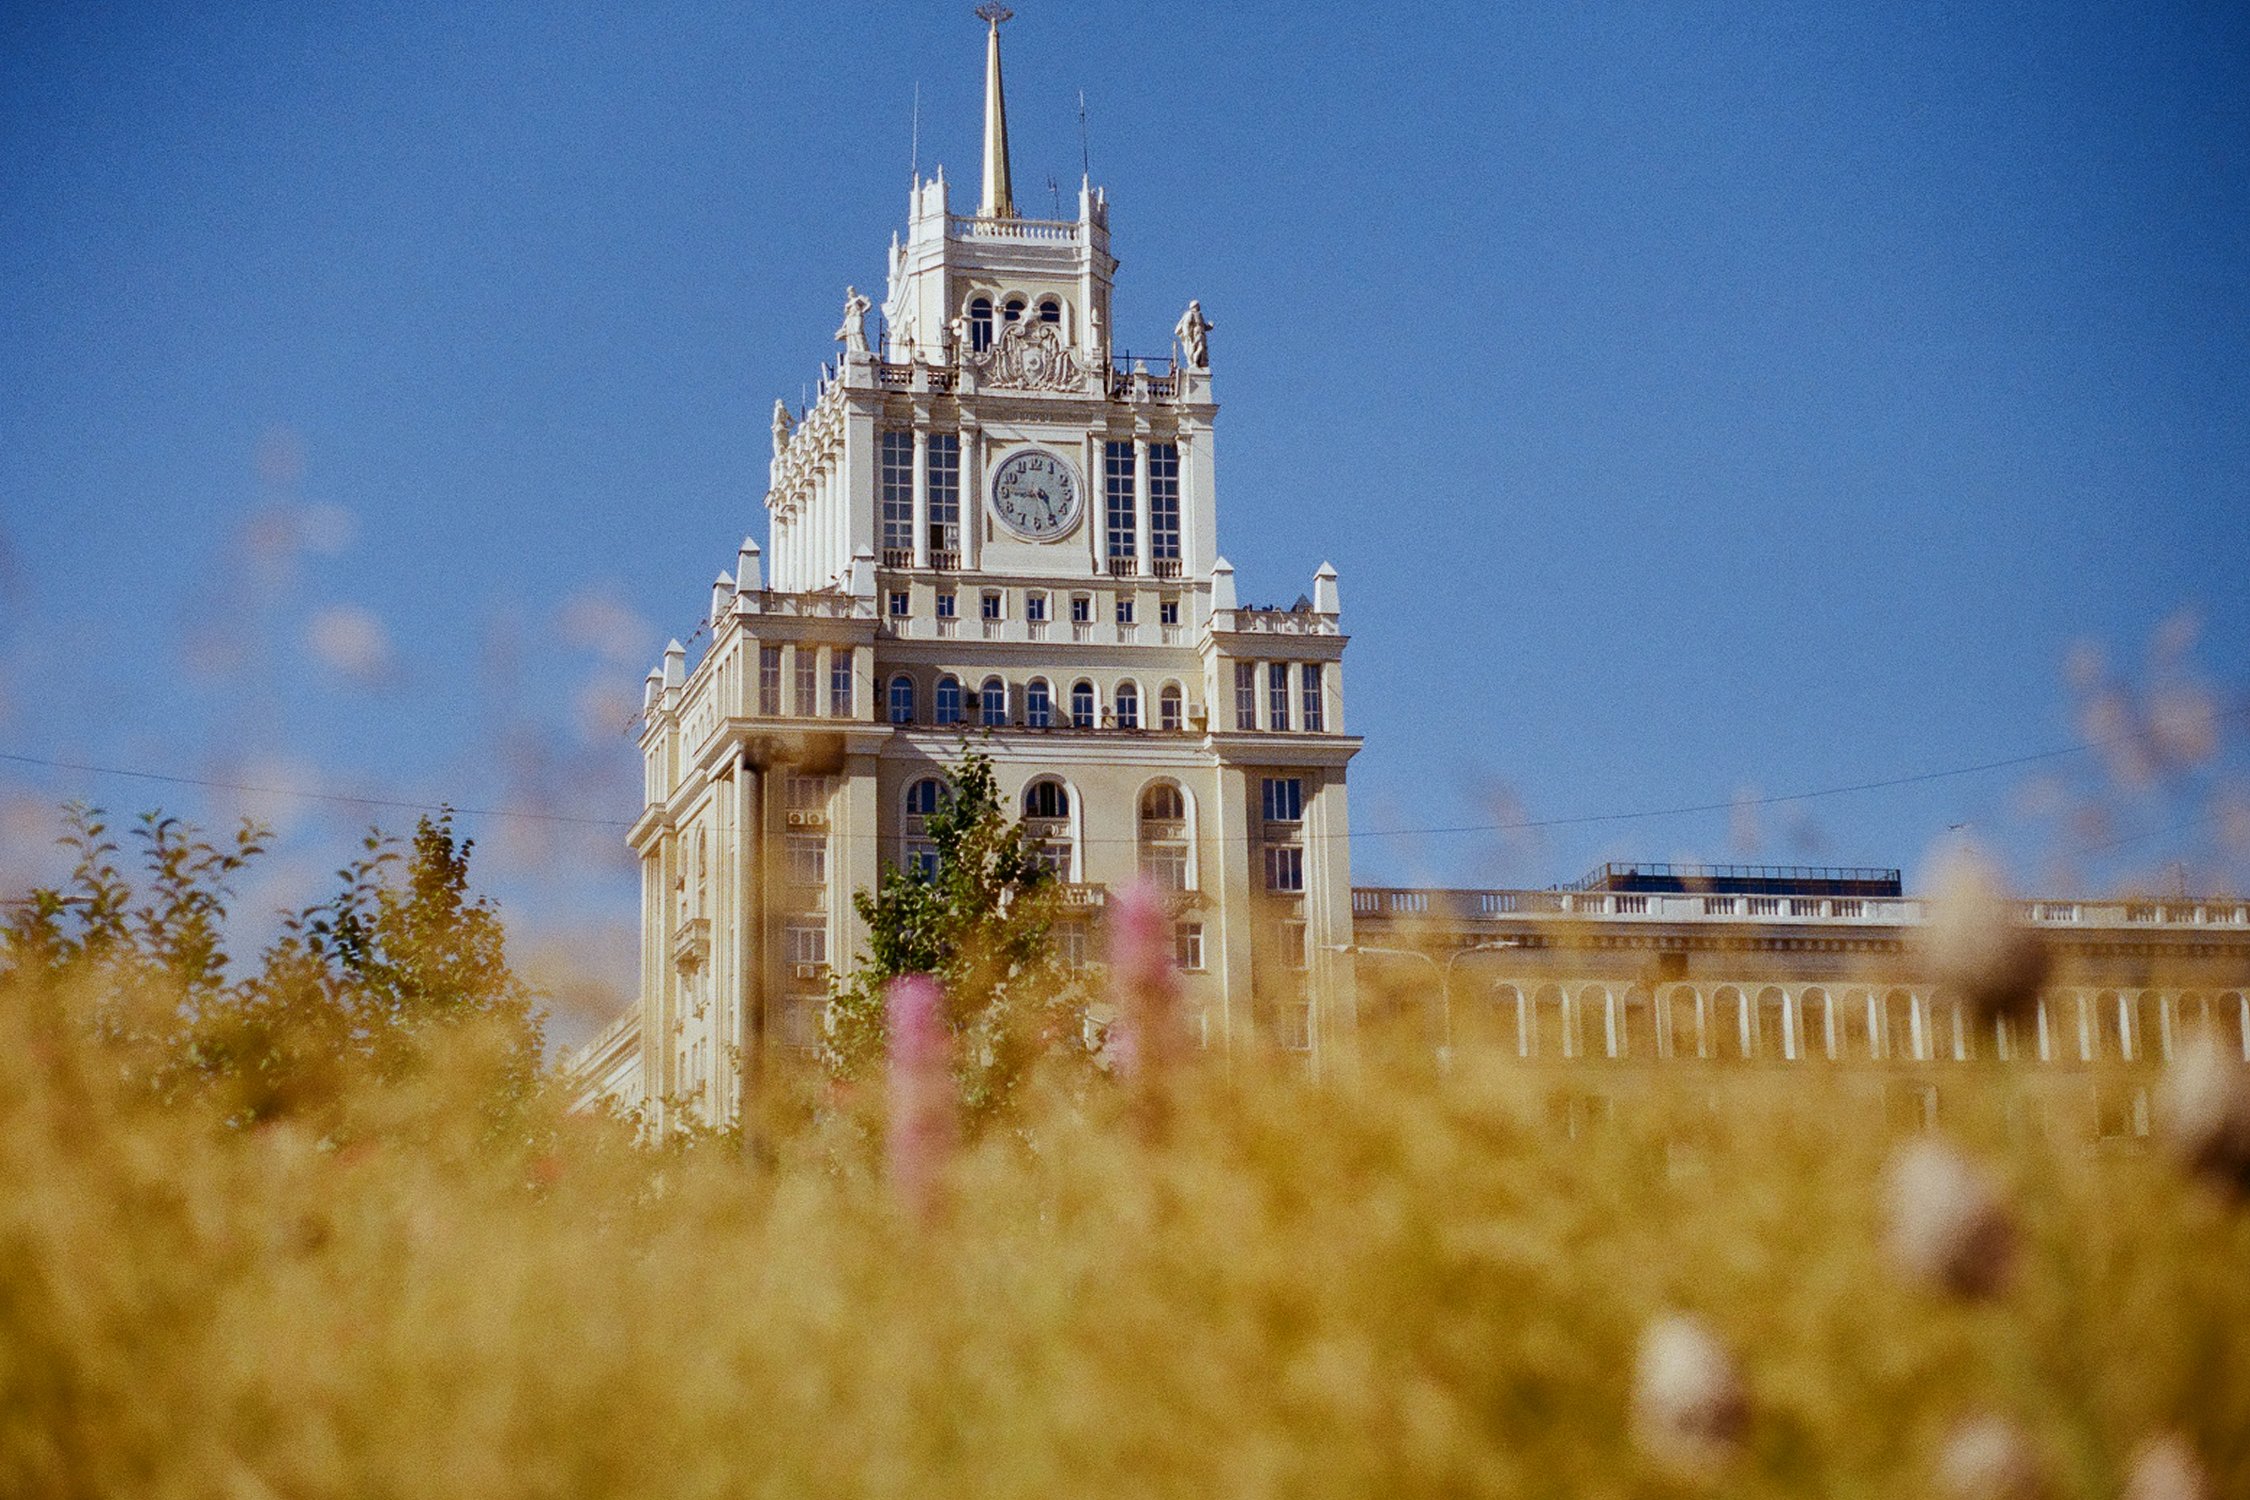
<point>999,197</point>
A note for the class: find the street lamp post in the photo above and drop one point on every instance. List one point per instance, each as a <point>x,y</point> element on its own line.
<point>1444,974</point>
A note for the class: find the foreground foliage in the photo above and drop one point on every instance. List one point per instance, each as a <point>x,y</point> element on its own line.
<point>1388,1285</point>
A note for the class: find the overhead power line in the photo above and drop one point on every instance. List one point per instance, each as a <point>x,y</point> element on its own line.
<point>1521,825</point>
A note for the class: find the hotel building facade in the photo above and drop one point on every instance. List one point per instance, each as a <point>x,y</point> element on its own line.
<point>990,526</point>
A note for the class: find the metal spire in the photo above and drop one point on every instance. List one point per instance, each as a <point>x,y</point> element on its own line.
<point>999,196</point>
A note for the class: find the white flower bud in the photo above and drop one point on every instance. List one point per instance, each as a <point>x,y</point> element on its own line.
<point>1989,1458</point>
<point>1690,1407</point>
<point>1946,1224</point>
<point>1976,945</point>
<point>2166,1468</point>
<point>2204,1111</point>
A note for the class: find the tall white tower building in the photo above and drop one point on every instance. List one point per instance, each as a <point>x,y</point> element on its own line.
<point>987,526</point>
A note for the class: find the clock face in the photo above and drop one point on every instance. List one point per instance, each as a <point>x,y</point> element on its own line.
<point>1036,494</point>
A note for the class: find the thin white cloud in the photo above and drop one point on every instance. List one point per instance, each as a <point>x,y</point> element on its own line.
<point>350,640</point>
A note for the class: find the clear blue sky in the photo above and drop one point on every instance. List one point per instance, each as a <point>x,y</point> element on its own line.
<point>1698,404</point>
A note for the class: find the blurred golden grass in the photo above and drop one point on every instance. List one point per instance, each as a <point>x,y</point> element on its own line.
<point>1384,1284</point>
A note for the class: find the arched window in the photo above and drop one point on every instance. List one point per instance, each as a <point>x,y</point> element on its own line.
<point>980,324</point>
<point>2109,1027</point>
<point>949,700</point>
<point>1503,1023</point>
<point>1164,838</point>
<point>1547,1022</point>
<point>1902,1040</point>
<point>992,703</point>
<point>1771,1038</point>
<point>1636,1025</point>
<point>1038,706</point>
<point>1590,1024</point>
<point>1169,705</point>
<point>1128,705</point>
<point>1730,1025</point>
<point>1082,705</point>
<point>924,797</point>
<point>702,872</point>
<point>1683,1023</point>
<point>1856,1029</point>
<point>1013,312</point>
<point>1050,310</point>
<point>1815,1025</point>
<point>902,700</point>
<point>1046,804</point>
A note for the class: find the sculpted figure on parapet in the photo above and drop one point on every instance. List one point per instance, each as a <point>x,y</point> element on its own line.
<point>1194,334</point>
<point>781,425</point>
<point>852,334</point>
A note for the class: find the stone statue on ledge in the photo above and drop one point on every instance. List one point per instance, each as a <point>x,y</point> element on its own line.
<point>781,426</point>
<point>852,334</point>
<point>1194,334</point>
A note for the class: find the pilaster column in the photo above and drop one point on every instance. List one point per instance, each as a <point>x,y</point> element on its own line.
<point>921,496</point>
<point>1140,505</point>
<point>972,497</point>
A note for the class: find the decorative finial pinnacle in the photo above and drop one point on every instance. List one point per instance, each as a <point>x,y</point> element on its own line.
<point>993,12</point>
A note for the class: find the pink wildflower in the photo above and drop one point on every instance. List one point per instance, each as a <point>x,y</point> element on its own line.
<point>1144,985</point>
<point>922,1123</point>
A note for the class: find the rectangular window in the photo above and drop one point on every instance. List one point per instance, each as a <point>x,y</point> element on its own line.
<point>1164,502</point>
<point>1277,693</point>
<point>1070,944</point>
<point>1285,867</point>
<point>1124,611</point>
<point>991,604</point>
<point>805,941</point>
<point>1293,1026</point>
<point>808,682</point>
<point>1246,695</point>
<point>1315,716</point>
<point>840,684</point>
<point>1165,864</point>
<point>898,602</point>
<point>1285,799</point>
<point>945,606</point>
<point>945,495</point>
<point>1081,609</point>
<point>1035,608</point>
<point>1117,496</point>
<point>769,681</point>
<point>807,793</point>
<point>1187,945</point>
<point>1168,612</point>
<point>895,476</point>
<point>1289,945</point>
<point>807,856</point>
<point>921,860</point>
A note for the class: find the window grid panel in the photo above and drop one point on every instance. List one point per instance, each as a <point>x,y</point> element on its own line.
<point>1245,695</point>
<point>840,685</point>
<point>769,681</point>
<point>1315,716</point>
<point>1164,502</point>
<point>896,466</point>
<point>1117,493</point>
<point>808,683</point>
<point>945,492</point>
<point>1277,693</point>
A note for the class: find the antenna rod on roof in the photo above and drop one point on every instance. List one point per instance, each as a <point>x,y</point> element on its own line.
<point>914,150</point>
<point>1085,159</point>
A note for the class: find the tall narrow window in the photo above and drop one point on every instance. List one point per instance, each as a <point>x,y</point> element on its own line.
<point>840,684</point>
<point>1117,492</point>
<point>1285,799</point>
<point>1285,867</point>
<point>948,700</point>
<point>945,495</point>
<point>1038,707</point>
<point>992,704</point>
<point>1246,695</point>
<point>1050,310</point>
<point>1082,706</point>
<point>895,474</point>
<point>1168,714</point>
<point>1128,706</point>
<point>902,700</point>
<point>1164,841</point>
<point>808,683</point>
<point>980,324</point>
<point>769,681</point>
<point>1315,717</point>
<point>1164,504</point>
<point>1012,311</point>
<point>1277,693</point>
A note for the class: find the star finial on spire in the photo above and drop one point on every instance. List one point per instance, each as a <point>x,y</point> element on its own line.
<point>994,12</point>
